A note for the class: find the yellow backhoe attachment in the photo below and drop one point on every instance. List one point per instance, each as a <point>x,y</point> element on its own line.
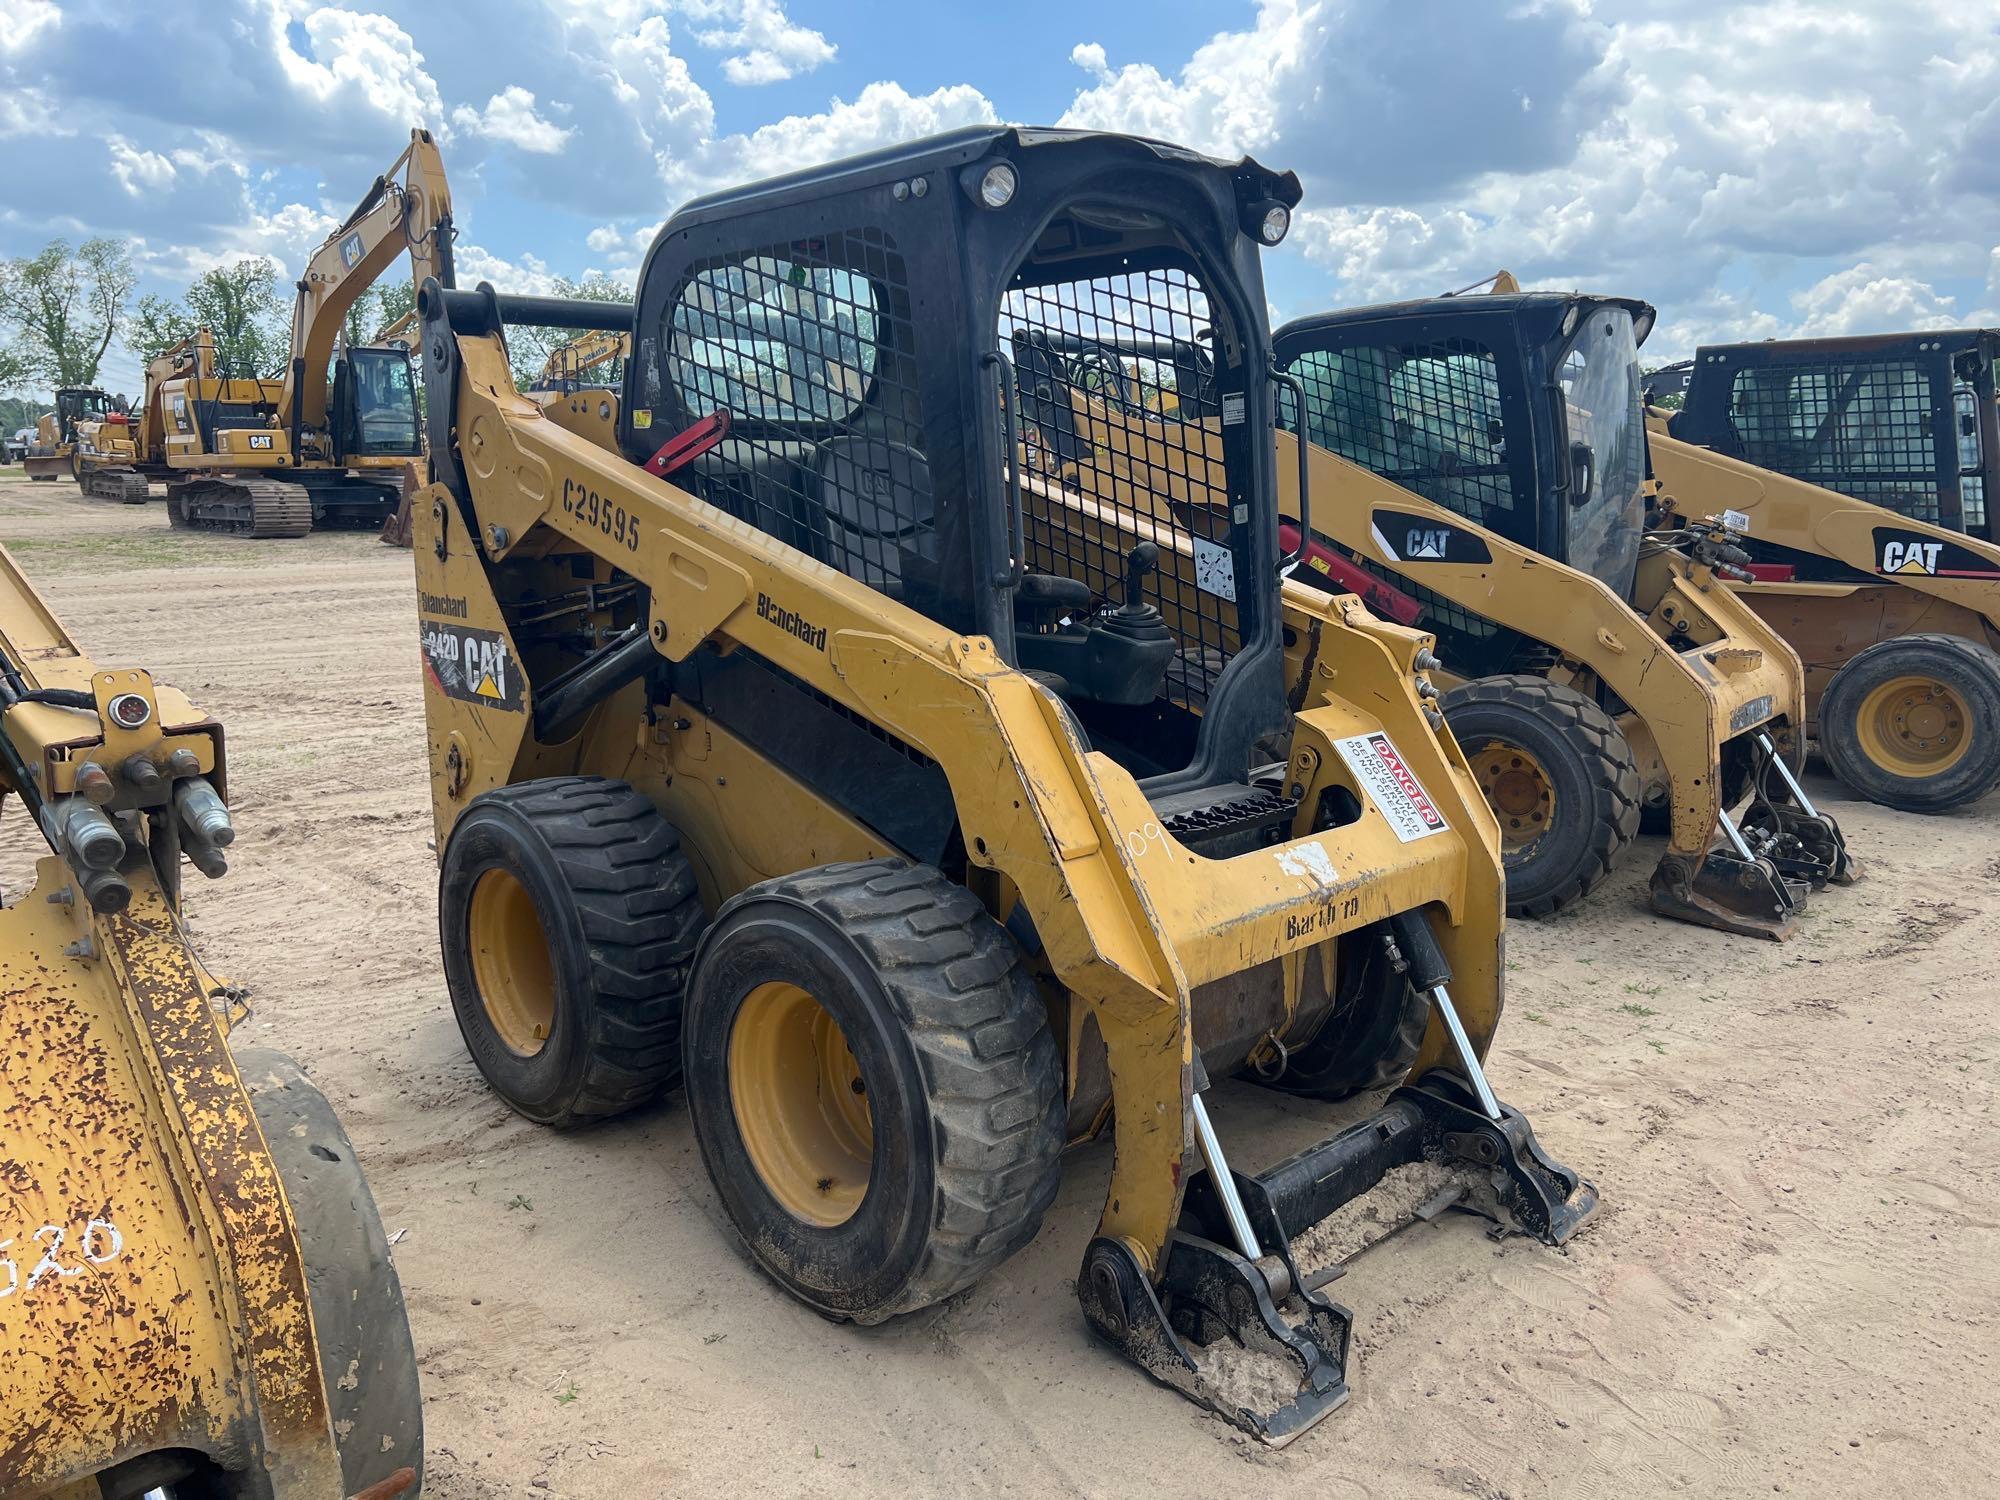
<point>195,1291</point>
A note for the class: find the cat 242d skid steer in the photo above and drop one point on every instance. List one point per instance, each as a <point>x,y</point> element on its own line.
<point>1477,468</point>
<point>196,1298</point>
<point>1863,470</point>
<point>794,744</point>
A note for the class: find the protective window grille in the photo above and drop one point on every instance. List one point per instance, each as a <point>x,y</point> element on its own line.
<point>1863,429</point>
<point>1426,416</point>
<point>809,347</point>
<point>1121,429</point>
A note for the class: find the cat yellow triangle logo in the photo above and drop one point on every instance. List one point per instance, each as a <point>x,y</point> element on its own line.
<point>487,688</point>
<point>1913,566</point>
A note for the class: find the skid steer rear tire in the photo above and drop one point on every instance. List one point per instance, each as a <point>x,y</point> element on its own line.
<point>366,1358</point>
<point>568,915</point>
<point>1371,1037</point>
<point>1575,750</point>
<point>874,1086</point>
<point>1877,747</point>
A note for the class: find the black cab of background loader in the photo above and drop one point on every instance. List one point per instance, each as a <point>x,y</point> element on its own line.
<point>1520,411</point>
<point>374,404</point>
<point>1907,421</point>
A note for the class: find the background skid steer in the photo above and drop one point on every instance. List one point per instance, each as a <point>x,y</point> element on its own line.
<point>195,1293</point>
<point>1863,470</point>
<point>1476,466</point>
<point>791,745</point>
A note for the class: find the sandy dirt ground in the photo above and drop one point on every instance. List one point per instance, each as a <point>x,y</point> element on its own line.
<point>1791,1289</point>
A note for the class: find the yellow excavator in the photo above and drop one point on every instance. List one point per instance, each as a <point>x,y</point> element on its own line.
<point>1861,471</point>
<point>563,371</point>
<point>196,1296</point>
<point>1478,469</point>
<point>121,453</point>
<point>274,458</point>
<point>794,745</point>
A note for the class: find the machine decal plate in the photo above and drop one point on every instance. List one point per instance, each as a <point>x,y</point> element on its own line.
<point>1215,569</point>
<point>1404,538</point>
<point>1756,711</point>
<point>1391,785</point>
<point>1918,552</point>
<point>473,665</point>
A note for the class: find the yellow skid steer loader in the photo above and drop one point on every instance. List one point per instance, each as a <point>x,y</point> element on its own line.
<point>196,1297</point>
<point>1861,471</point>
<point>793,745</point>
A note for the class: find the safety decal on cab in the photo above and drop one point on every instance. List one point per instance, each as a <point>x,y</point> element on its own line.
<point>473,665</point>
<point>1907,552</point>
<point>1405,538</point>
<point>1391,785</point>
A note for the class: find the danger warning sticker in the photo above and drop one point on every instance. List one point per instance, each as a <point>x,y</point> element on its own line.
<point>472,664</point>
<point>1392,786</point>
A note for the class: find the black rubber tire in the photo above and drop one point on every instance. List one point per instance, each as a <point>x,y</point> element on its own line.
<point>617,903</point>
<point>1369,1039</point>
<point>1594,774</point>
<point>953,1044</point>
<point>366,1358</point>
<point>1970,668</point>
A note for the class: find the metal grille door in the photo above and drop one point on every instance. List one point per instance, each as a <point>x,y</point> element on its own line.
<point>811,351</point>
<point>1425,416</point>
<point>1122,442</point>
<point>1864,429</point>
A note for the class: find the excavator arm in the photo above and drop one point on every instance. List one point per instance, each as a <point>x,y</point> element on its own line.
<point>407,208</point>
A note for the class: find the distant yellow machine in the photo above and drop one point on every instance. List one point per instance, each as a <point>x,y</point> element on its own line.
<point>121,453</point>
<point>273,458</point>
<point>196,1297</point>
<point>1864,472</point>
<point>53,452</point>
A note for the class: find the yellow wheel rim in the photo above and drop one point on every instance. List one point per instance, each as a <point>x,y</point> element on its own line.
<point>511,963</point>
<point>1914,726</point>
<point>801,1105</point>
<point>1518,790</point>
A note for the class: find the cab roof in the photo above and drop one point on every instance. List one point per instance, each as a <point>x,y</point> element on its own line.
<point>1534,309</point>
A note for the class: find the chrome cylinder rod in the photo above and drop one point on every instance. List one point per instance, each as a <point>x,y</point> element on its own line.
<point>1735,835</point>
<point>1441,998</point>
<point>1798,792</point>
<point>1225,1186</point>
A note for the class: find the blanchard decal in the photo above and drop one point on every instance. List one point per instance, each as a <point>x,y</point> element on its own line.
<point>446,606</point>
<point>791,622</point>
<point>1756,711</point>
<point>1391,785</point>
<point>1906,552</point>
<point>1405,538</point>
<point>473,665</point>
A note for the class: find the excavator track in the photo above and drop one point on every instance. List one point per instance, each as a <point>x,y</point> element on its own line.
<point>126,486</point>
<point>241,507</point>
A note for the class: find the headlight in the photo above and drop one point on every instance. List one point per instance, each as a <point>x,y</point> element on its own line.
<point>1277,221</point>
<point>997,184</point>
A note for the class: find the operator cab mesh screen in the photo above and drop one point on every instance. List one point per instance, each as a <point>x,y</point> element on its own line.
<point>1121,433</point>
<point>1863,429</point>
<point>811,350</point>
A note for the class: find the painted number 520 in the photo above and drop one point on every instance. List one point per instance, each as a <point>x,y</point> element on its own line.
<point>100,1243</point>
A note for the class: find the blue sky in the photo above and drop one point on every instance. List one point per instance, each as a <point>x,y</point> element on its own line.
<point>1756,167</point>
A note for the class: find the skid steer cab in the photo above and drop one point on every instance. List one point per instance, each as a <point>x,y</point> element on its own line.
<point>1484,460</point>
<point>1863,469</point>
<point>798,743</point>
<point>196,1297</point>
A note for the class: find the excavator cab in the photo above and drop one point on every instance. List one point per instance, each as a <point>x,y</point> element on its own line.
<point>375,403</point>
<point>1906,421</point>
<point>1519,411</point>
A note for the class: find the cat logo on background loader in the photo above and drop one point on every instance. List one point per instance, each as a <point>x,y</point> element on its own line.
<point>1899,556</point>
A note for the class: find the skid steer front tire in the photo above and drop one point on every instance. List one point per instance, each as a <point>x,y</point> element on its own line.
<point>1561,779</point>
<point>568,915</point>
<point>1914,722</point>
<point>873,1084</point>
